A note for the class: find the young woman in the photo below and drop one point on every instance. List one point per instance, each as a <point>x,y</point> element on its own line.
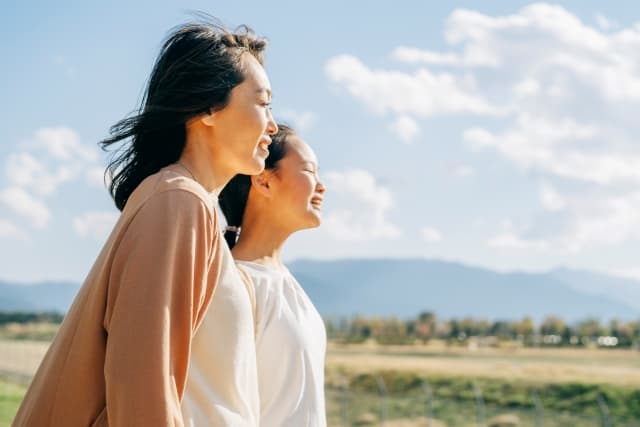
<point>289,332</point>
<point>122,352</point>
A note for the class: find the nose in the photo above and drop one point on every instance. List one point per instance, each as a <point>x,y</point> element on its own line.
<point>320,188</point>
<point>272,127</point>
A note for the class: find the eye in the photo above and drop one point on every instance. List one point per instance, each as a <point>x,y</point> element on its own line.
<point>266,105</point>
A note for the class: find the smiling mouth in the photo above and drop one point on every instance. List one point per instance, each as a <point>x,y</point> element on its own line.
<point>264,146</point>
<point>316,202</point>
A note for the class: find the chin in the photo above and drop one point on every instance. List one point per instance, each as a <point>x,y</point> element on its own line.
<point>316,221</point>
<point>311,221</point>
<point>256,167</point>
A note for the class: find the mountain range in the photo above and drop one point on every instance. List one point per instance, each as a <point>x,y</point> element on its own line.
<point>406,287</point>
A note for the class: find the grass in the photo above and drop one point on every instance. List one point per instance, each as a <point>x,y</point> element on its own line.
<point>567,381</point>
<point>413,411</point>
<point>41,331</point>
<point>591,366</point>
<point>10,397</point>
<point>20,358</point>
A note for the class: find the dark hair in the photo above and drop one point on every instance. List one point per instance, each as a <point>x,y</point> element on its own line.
<point>198,66</point>
<point>233,197</point>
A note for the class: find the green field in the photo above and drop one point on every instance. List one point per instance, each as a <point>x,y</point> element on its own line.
<point>567,382</point>
<point>10,396</point>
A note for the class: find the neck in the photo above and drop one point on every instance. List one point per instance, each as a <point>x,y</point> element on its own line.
<point>203,164</point>
<point>261,239</point>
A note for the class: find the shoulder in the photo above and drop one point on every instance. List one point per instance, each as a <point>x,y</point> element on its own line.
<point>265,280</point>
<point>170,179</point>
<point>170,191</point>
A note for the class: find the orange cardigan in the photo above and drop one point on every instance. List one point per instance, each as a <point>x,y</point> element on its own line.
<point>121,355</point>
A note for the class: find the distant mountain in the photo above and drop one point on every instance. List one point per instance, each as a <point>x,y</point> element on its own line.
<point>624,290</point>
<point>45,296</point>
<point>405,287</point>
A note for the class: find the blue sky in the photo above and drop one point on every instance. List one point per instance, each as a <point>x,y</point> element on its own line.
<point>498,134</point>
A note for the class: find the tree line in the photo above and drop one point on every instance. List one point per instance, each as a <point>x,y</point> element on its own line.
<point>551,331</point>
<point>25,317</point>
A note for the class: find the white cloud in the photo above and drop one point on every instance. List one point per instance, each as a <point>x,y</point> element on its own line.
<point>554,147</point>
<point>302,121</point>
<point>26,205</point>
<point>24,170</point>
<point>9,230</point>
<point>545,39</point>
<point>96,178</point>
<point>413,55</point>
<point>552,95</point>
<point>423,93</point>
<point>63,160</point>
<point>512,241</point>
<point>629,273</point>
<point>406,128</point>
<point>463,171</point>
<point>574,224</point>
<point>610,220</point>
<point>64,144</point>
<point>95,224</point>
<point>526,87</point>
<point>603,22</point>
<point>361,207</point>
<point>551,199</point>
<point>431,234</point>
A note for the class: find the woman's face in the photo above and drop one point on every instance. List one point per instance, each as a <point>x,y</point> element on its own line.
<point>243,126</point>
<point>297,192</point>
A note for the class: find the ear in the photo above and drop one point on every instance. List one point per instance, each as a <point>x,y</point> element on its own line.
<point>262,183</point>
<point>208,119</point>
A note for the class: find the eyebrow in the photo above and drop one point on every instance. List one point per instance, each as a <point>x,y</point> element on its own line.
<point>264,89</point>
<point>309,162</point>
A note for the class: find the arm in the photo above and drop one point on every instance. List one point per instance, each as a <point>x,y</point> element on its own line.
<point>161,283</point>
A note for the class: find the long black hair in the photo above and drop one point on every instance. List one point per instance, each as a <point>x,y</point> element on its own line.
<point>198,66</point>
<point>233,197</point>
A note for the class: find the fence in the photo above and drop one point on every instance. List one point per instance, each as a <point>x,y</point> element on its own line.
<point>346,406</point>
<point>426,408</point>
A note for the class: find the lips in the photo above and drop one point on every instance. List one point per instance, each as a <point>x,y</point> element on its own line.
<point>264,143</point>
<point>316,202</point>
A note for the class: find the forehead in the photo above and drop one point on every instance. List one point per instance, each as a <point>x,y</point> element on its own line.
<point>298,150</point>
<point>255,75</point>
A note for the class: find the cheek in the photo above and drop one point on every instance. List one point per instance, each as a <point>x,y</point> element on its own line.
<point>305,189</point>
<point>296,192</point>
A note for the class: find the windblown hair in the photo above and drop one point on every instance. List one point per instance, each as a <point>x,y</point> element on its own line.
<point>198,66</point>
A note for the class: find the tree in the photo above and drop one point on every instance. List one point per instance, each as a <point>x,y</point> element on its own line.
<point>524,329</point>
<point>502,329</point>
<point>552,325</point>
<point>424,327</point>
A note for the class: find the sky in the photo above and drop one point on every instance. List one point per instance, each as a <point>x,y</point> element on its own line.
<point>497,134</point>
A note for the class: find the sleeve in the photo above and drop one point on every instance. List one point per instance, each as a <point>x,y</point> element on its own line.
<point>160,285</point>
<point>264,304</point>
<point>248,284</point>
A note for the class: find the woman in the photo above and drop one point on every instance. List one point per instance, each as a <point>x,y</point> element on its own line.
<point>122,352</point>
<point>290,335</point>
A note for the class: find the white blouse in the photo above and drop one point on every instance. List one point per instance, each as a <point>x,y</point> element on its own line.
<point>222,384</point>
<point>291,343</point>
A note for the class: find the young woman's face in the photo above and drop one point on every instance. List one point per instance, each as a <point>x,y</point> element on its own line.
<point>243,126</point>
<point>296,188</point>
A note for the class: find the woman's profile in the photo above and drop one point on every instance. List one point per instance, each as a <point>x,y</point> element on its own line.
<point>121,355</point>
<point>289,332</point>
